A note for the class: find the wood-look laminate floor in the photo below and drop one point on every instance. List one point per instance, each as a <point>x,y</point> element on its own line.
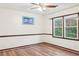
<point>42,49</point>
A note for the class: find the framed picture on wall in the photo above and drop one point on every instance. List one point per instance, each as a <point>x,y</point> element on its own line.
<point>28,20</point>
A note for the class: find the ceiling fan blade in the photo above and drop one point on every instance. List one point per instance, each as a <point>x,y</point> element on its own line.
<point>51,6</point>
<point>34,8</point>
<point>34,3</point>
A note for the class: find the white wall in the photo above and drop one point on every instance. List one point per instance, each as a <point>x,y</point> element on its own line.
<point>11,24</point>
<point>61,42</point>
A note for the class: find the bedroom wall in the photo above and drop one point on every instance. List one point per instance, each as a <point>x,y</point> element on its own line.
<point>11,24</point>
<point>61,42</point>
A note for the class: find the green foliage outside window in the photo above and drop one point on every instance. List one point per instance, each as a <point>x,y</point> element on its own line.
<point>58,27</point>
<point>58,31</point>
<point>71,32</point>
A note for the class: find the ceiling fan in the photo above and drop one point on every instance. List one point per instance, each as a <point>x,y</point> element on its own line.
<point>43,6</point>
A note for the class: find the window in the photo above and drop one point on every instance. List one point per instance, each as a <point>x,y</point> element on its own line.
<point>58,27</point>
<point>70,26</point>
<point>66,26</point>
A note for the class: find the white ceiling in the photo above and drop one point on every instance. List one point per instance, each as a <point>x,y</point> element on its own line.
<point>27,7</point>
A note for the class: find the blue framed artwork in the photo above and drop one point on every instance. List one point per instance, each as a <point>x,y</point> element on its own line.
<point>28,20</point>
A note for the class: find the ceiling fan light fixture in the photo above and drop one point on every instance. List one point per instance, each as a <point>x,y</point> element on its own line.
<point>40,9</point>
<point>44,8</point>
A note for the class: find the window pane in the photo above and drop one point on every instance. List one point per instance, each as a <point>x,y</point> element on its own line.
<point>71,32</point>
<point>70,25</point>
<point>58,23</point>
<point>58,27</point>
<point>71,21</point>
<point>58,31</point>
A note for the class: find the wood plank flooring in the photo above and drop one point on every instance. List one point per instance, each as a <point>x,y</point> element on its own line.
<point>41,49</point>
